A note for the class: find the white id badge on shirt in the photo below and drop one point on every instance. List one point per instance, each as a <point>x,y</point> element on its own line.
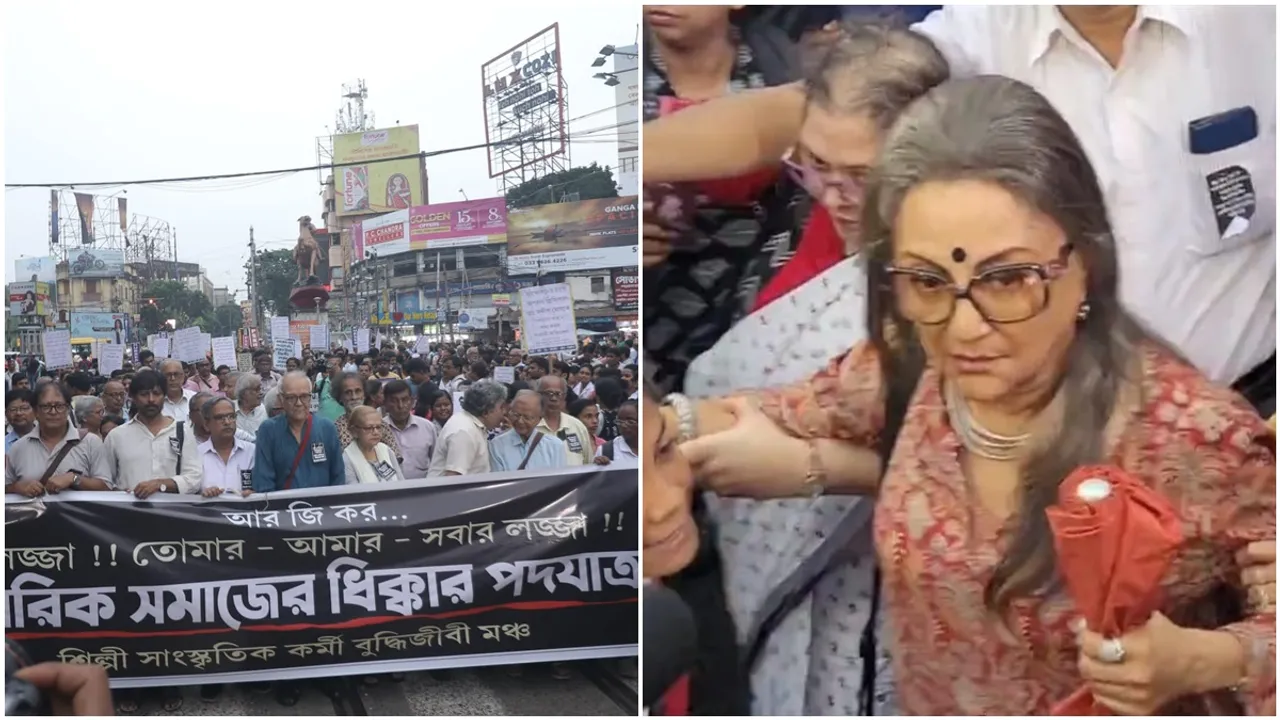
<point>385,472</point>
<point>317,453</point>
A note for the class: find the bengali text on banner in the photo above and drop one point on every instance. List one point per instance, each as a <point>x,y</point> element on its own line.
<point>357,579</point>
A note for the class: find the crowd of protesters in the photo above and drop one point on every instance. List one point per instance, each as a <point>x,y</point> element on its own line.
<point>330,418</point>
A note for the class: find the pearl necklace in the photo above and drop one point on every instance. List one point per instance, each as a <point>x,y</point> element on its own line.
<point>976,438</point>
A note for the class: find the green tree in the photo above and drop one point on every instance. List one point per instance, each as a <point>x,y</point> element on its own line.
<point>221,321</point>
<point>276,273</point>
<point>588,183</point>
<point>166,300</point>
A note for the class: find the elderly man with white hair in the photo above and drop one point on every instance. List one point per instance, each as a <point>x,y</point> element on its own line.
<point>250,412</point>
<point>297,449</point>
<point>462,446</point>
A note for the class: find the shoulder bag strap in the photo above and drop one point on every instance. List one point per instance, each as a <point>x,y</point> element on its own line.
<point>297,458</point>
<point>177,469</point>
<point>57,460</point>
<point>537,438</point>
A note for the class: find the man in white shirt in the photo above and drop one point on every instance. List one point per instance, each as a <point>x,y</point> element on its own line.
<point>250,411</point>
<point>176,397</point>
<point>462,446</point>
<point>579,449</point>
<point>621,451</point>
<point>1176,107</point>
<point>226,459</point>
<point>153,452</point>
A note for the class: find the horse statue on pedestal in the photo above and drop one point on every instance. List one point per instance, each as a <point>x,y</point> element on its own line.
<point>306,252</point>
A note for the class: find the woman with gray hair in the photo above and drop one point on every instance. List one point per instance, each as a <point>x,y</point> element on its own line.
<point>808,313</point>
<point>462,446</point>
<point>249,406</point>
<point>999,361</point>
<point>87,411</point>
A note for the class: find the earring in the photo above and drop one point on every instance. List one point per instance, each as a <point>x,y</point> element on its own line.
<point>1083,313</point>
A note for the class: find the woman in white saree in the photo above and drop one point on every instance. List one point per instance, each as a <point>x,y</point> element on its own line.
<point>808,649</point>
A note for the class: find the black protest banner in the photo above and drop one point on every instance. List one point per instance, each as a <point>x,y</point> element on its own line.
<point>363,578</point>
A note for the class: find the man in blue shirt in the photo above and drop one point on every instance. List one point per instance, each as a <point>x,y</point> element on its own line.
<point>279,439</point>
<point>523,447</point>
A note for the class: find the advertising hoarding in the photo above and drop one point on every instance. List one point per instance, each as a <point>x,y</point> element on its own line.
<point>524,98</point>
<point>88,262</point>
<point>36,269</point>
<point>368,187</point>
<point>433,227</point>
<point>626,290</point>
<point>113,327</point>
<point>587,235</point>
<point>28,298</point>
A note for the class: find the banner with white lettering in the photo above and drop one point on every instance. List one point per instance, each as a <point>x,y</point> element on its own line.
<point>356,579</point>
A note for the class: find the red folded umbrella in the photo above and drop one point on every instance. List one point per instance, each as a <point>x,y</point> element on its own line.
<point>1115,538</point>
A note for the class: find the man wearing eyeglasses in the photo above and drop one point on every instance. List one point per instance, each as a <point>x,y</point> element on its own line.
<point>297,449</point>
<point>53,457</point>
<point>176,397</point>
<point>204,380</point>
<point>578,446</point>
<point>523,447</point>
<point>114,399</point>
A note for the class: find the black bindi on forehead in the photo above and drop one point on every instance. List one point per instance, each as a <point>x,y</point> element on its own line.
<point>958,254</point>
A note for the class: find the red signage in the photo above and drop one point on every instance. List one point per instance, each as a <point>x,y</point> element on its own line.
<point>626,290</point>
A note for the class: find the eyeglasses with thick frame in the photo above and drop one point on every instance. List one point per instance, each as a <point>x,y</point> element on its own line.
<point>972,291</point>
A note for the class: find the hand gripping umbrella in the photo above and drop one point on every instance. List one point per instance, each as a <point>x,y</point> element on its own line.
<point>1115,538</point>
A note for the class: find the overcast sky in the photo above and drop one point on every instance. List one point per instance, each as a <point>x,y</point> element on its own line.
<point>137,90</point>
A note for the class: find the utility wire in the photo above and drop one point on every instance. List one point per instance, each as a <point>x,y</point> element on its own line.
<point>311,168</point>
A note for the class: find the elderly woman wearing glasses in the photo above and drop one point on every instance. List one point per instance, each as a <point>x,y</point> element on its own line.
<point>88,411</point>
<point>367,459</point>
<point>53,457</point>
<point>1000,349</point>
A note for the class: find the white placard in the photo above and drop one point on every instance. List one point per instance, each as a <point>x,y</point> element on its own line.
<point>362,340</point>
<point>319,338</point>
<point>504,374</point>
<point>224,352</point>
<point>206,342</point>
<point>423,346</point>
<point>161,348</point>
<point>346,344</point>
<point>281,351</point>
<point>57,349</point>
<point>297,348</point>
<point>110,359</point>
<point>547,313</point>
<point>186,345</point>
<point>279,328</point>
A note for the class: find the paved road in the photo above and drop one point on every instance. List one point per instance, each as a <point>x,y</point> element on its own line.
<point>594,689</point>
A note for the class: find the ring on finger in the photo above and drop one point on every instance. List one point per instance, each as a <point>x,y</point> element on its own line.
<point>1111,651</point>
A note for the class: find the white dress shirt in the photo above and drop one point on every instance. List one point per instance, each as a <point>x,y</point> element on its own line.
<point>623,455</point>
<point>1210,296</point>
<point>249,422</point>
<point>226,475</point>
<point>136,456</point>
<point>180,410</point>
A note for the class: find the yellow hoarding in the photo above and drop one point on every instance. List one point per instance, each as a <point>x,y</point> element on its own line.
<point>366,186</point>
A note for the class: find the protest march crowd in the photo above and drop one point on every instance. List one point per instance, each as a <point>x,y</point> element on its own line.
<point>334,417</point>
